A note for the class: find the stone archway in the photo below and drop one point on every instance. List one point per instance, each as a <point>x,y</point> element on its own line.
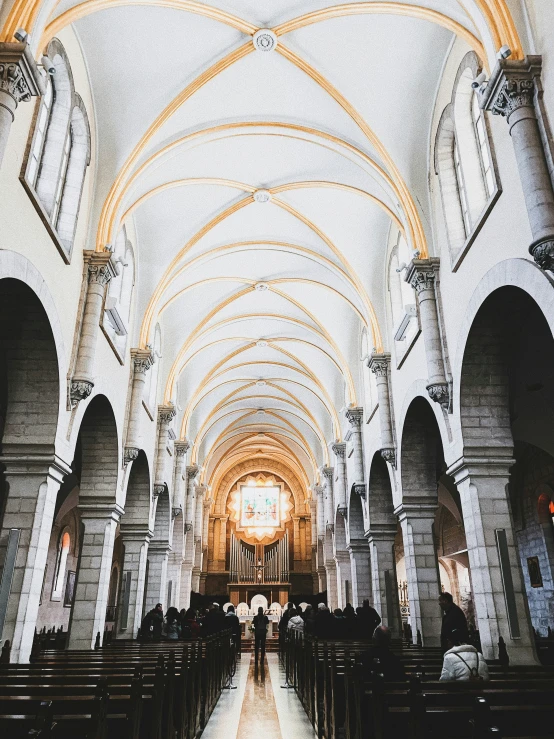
<point>32,472</point>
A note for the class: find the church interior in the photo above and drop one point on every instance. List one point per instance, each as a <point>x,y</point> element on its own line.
<point>277,332</point>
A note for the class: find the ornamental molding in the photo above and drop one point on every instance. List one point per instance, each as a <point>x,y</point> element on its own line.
<point>79,390</point>
<point>440,393</point>
<point>19,74</point>
<point>264,40</point>
<point>166,413</point>
<point>130,453</point>
<point>100,267</point>
<point>262,196</point>
<point>142,360</point>
<point>389,455</point>
<point>181,447</point>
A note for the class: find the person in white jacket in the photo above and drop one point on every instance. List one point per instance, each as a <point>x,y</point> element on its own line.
<point>463,662</point>
<point>296,623</point>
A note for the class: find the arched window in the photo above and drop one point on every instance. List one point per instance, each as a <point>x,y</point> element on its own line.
<point>117,308</point>
<point>59,153</point>
<point>61,563</point>
<point>463,161</point>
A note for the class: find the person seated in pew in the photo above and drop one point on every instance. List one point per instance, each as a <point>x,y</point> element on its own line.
<point>453,620</point>
<point>462,661</point>
<point>381,660</point>
<point>283,623</point>
<point>324,623</point>
<point>152,624</point>
<point>172,627</point>
<point>190,627</point>
<point>296,622</point>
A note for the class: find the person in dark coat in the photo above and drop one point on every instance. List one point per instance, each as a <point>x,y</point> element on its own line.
<point>324,623</point>
<point>453,620</point>
<point>260,624</point>
<point>369,620</point>
<point>381,660</point>
<point>214,621</point>
<point>309,620</point>
<point>152,624</point>
<point>284,622</point>
<point>232,622</point>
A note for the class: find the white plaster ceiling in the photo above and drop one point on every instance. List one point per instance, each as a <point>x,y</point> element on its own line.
<point>320,249</point>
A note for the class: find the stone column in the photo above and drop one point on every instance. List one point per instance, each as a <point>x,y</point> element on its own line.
<point>497,582</point>
<point>177,553</point>
<point>422,571</point>
<point>383,577</point>
<point>379,364</point>
<point>319,492</point>
<point>32,481</point>
<point>421,275</point>
<point>166,413</point>
<point>156,589</point>
<point>88,617</point>
<point>135,541</point>
<point>515,91</point>
<point>198,528</point>
<point>361,576</point>
<point>191,473</point>
<point>190,511</point>
<point>331,583</point>
<point>20,80</point>
<point>141,361</point>
<point>341,492</point>
<point>344,575</point>
<point>329,504</point>
<point>100,270</point>
<point>355,418</point>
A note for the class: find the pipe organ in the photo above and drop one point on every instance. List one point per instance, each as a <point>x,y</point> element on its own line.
<point>259,564</point>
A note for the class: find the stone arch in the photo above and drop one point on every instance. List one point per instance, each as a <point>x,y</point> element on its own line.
<point>96,465</point>
<point>138,498</point>
<point>162,519</point>
<point>380,505</point>
<point>420,454</point>
<point>29,410</point>
<point>356,527</point>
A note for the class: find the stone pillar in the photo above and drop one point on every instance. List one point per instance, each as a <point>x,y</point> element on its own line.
<point>361,576</point>
<point>497,582</point>
<point>135,541</point>
<point>32,481</point>
<point>344,575</point>
<point>177,553</point>
<point>341,492</point>
<point>355,418</point>
<point>379,364</point>
<point>383,577</point>
<point>515,91</point>
<point>100,270</point>
<point>166,413</point>
<point>422,275</point>
<point>191,473</point>
<point>198,528</point>
<point>331,583</point>
<point>319,492</point>
<point>20,80</point>
<point>422,571</point>
<point>141,362</point>
<point>329,504</point>
<point>88,617</point>
<point>190,512</point>
<point>158,554</point>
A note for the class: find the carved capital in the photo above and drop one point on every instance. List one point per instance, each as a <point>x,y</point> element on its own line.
<point>440,394</point>
<point>379,364</point>
<point>389,455</point>
<point>319,490</point>
<point>188,527</point>
<point>331,528</point>
<point>355,417</point>
<point>543,253</point>
<point>327,473</point>
<point>142,360</point>
<point>192,471</point>
<point>130,453</point>
<point>80,390</point>
<point>421,274</point>
<point>175,512</point>
<point>157,490</point>
<point>181,448</point>
<point>514,84</point>
<point>100,268</point>
<point>200,491</point>
<point>19,75</point>
<point>343,510</point>
<point>166,413</point>
<point>359,489</point>
<point>340,449</point>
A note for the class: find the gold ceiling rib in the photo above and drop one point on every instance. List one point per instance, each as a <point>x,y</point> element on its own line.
<point>214,372</point>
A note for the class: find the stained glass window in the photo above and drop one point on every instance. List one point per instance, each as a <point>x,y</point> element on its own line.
<point>260,506</point>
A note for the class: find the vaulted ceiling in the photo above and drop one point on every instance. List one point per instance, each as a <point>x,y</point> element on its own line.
<point>262,186</point>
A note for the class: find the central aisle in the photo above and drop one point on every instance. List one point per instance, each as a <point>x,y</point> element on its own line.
<point>259,708</point>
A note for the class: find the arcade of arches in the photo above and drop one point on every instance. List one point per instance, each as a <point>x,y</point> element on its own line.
<point>277,312</point>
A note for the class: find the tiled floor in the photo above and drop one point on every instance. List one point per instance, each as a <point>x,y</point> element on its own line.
<point>259,708</point>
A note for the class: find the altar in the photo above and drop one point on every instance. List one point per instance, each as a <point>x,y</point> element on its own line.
<point>247,612</point>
